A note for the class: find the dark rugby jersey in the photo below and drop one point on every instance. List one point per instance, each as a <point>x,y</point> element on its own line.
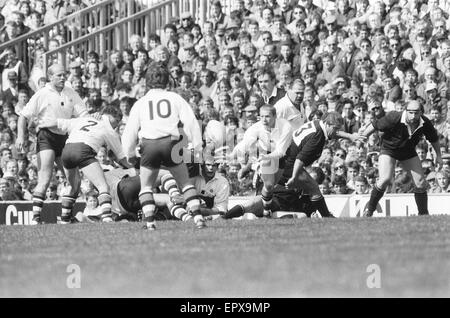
<point>307,145</point>
<point>396,132</point>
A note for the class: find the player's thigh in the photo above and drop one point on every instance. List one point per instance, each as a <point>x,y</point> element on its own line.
<point>148,177</point>
<point>95,174</point>
<point>268,179</point>
<point>254,205</point>
<point>386,167</point>
<point>307,183</point>
<point>415,167</point>
<point>180,174</point>
<point>45,161</point>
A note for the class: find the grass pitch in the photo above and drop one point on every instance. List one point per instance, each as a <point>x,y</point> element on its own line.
<point>259,258</point>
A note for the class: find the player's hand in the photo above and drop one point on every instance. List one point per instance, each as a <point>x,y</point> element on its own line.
<point>47,122</point>
<point>290,184</point>
<point>20,144</point>
<point>358,137</point>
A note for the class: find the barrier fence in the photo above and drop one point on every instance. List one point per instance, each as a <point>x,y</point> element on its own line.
<point>391,205</point>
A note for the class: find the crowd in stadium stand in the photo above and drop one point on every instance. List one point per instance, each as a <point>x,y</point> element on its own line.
<point>351,56</point>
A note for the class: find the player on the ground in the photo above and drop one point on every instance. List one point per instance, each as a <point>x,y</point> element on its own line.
<point>402,131</point>
<point>272,136</point>
<point>55,100</point>
<point>86,136</point>
<point>306,147</point>
<point>155,119</point>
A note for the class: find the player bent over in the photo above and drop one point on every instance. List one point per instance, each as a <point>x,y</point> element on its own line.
<point>155,118</point>
<point>307,144</point>
<point>86,136</point>
<point>273,136</point>
<point>402,131</point>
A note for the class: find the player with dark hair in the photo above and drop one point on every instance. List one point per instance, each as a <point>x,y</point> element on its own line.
<point>306,147</point>
<point>155,117</point>
<point>86,136</point>
<point>402,131</point>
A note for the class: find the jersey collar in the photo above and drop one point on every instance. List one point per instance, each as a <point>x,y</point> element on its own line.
<point>322,125</point>
<point>403,121</point>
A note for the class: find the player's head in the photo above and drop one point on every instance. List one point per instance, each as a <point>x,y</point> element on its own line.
<point>114,114</point>
<point>57,76</point>
<point>157,77</point>
<point>413,111</point>
<point>268,116</point>
<point>333,122</point>
<point>209,166</point>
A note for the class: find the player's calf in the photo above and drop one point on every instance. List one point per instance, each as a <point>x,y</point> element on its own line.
<point>67,203</point>
<point>148,207</point>
<point>193,205</point>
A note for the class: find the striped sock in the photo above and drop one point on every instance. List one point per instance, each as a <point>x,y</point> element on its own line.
<point>170,185</point>
<point>179,212</point>
<point>67,203</point>
<point>105,202</point>
<point>148,204</point>
<point>192,200</point>
<point>38,203</point>
<point>267,201</point>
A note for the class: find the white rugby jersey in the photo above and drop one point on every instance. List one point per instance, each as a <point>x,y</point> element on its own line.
<point>156,115</point>
<point>92,132</point>
<point>277,141</point>
<point>48,103</point>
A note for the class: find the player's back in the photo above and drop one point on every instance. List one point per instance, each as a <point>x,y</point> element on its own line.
<point>90,131</point>
<point>159,113</point>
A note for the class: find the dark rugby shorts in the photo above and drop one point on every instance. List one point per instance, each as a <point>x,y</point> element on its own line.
<point>164,151</point>
<point>400,154</point>
<point>78,155</point>
<point>46,140</point>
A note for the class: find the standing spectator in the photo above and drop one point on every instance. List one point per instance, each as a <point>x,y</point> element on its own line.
<point>54,101</point>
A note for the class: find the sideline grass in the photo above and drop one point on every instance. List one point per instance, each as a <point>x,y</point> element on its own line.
<point>259,258</point>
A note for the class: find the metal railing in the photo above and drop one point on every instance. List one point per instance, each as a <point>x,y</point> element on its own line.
<point>71,27</point>
<point>106,26</point>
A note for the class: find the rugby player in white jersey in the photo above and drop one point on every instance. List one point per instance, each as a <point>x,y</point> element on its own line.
<point>273,137</point>
<point>154,119</point>
<point>86,136</point>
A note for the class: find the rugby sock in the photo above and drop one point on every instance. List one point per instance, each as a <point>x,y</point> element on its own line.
<point>422,202</point>
<point>170,185</point>
<point>38,203</point>
<point>375,197</point>
<point>193,204</point>
<point>234,212</point>
<point>148,205</point>
<point>179,212</point>
<point>267,201</point>
<point>67,203</point>
<point>105,202</point>
<point>320,205</point>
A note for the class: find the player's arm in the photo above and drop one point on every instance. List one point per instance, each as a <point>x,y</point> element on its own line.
<point>79,109</point>
<point>298,167</point>
<point>370,129</point>
<point>250,137</point>
<point>431,135</point>
<point>190,124</point>
<point>130,134</point>
<point>30,110</point>
<point>353,137</point>
<point>113,141</point>
<point>282,144</point>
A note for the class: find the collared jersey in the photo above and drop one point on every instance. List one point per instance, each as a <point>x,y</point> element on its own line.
<point>287,110</point>
<point>92,132</point>
<point>155,116</point>
<point>397,134</point>
<point>215,192</point>
<point>277,140</point>
<point>48,103</point>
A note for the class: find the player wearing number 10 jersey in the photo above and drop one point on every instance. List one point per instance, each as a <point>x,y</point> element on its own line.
<point>86,136</point>
<point>154,118</point>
